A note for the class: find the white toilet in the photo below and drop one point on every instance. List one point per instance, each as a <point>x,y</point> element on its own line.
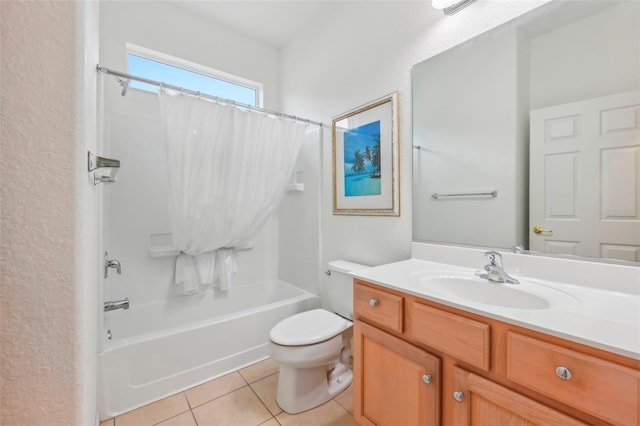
<point>313,348</point>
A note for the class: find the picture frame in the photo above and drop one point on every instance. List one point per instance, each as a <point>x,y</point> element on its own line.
<point>366,178</point>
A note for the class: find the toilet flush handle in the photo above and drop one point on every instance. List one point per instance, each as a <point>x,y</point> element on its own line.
<point>373,302</point>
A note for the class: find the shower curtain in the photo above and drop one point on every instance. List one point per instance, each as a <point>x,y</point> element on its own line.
<point>227,172</point>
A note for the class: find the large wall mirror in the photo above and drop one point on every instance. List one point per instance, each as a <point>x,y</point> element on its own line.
<point>530,134</point>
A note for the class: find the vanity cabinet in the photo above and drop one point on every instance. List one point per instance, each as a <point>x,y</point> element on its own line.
<point>397,383</point>
<point>481,370</point>
<point>489,403</point>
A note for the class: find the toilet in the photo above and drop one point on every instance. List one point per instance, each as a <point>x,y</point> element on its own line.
<point>313,348</point>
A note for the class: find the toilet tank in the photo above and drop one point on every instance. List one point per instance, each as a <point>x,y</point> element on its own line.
<point>339,290</point>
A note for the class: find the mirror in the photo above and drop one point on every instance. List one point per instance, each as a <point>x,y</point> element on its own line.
<point>529,134</point>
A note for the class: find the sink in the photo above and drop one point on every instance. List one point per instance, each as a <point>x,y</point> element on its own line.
<point>468,287</point>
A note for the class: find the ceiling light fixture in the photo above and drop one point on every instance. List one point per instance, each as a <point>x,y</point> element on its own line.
<point>449,7</point>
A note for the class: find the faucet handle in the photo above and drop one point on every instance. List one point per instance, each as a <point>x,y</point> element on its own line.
<point>111,263</point>
<point>495,258</point>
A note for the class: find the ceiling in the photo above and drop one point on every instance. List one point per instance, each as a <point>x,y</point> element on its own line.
<point>272,22</point>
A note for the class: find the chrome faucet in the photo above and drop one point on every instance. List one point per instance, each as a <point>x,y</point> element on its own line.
<point>111,263</point>
<point>494,269</point>
<point>116,304</point>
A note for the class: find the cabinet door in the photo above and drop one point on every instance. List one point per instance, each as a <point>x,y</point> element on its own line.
<point>482,402</point>
<point>395,382</point>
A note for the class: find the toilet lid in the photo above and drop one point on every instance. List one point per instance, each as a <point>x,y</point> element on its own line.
<point>308,327</point>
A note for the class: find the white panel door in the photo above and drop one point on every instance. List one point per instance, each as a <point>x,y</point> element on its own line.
<point>585,178</point>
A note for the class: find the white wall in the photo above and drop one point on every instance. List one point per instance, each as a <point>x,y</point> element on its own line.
<point>588,58</point>
<point>136,206</point>
<point>165,28</point>
<point>356,52</point>
<point>49,211</point>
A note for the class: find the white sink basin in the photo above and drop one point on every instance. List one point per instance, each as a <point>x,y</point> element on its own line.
<point>468,287</point>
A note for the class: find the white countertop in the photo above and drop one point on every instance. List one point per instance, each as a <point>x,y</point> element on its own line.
<point>600,317</point>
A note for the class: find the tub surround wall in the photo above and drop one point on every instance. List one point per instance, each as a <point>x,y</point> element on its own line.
<point>136,210</point>
<point>136,214</point>
<point>49,213</point>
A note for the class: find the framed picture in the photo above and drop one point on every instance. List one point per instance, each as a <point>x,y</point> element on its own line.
<point>366,160</point>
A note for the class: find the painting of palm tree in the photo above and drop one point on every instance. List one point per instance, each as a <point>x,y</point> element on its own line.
<point>362,161</point>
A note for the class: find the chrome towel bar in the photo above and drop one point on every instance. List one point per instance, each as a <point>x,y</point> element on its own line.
<point>492,194</point>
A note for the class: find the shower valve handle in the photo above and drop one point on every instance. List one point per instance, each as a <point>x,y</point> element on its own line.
<point>111,263</point>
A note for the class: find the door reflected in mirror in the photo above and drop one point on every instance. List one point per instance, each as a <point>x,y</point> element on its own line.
<point>545,111</point>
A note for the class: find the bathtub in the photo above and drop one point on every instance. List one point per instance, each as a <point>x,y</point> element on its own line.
<point>161,348</point>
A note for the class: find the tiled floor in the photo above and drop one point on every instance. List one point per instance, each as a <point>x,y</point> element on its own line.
<point>246,397</point>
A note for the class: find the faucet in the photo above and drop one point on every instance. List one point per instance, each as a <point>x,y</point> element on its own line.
<point>116,304</point>
<point>111,263</point>
<point>494,269</point>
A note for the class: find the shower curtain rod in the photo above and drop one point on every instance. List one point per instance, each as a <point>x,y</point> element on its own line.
<point>125,84</point>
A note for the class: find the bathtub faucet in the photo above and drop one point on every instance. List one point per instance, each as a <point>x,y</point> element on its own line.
<point>116,304</point>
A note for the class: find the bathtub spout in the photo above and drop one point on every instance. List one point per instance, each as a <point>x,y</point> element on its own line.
<point>116,304</point>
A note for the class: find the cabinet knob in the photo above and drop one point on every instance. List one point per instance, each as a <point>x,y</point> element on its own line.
<point>427,378</point>
<point>563,373</point>
<point>373,302</point>
<point>458,396</point>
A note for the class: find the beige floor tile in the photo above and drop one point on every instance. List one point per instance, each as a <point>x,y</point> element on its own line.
<point>214,389</point>
<point>259,370</point>
<point>184,419</point>
<point>270,422</point>
<point>329,414</point>
<point>108,422</point>
<point>155,412</point>
<point>238,408</point>
<point>346,399</point>
<point>266,390</point>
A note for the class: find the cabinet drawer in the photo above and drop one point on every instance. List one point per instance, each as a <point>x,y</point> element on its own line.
<point>601,388</point>
<point>378,306</point>
<point>460,337</point>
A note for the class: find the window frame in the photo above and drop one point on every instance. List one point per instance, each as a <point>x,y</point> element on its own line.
<point>173,61</point>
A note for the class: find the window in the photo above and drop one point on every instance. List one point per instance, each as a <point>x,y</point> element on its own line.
<point>160,67</point>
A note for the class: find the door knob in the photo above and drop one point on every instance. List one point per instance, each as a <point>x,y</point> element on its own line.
<point>540,230</point>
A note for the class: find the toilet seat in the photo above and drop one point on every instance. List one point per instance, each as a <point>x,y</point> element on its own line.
<point>308,328</point>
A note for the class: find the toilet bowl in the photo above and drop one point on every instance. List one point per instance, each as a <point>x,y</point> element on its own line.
<point>313,348</point>
<point>310,348</point>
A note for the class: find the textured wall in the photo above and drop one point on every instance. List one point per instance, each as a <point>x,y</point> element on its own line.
<point>47,376</point>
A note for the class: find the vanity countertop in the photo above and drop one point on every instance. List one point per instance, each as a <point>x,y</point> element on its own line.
<point>599,317</point>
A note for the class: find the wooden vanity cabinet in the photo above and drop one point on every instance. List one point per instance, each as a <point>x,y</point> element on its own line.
<point>482,371</point>
<point>396,382</point>
<point>480,401</point>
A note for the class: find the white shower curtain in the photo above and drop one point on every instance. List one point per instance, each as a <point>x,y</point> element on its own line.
<point>227,172</point>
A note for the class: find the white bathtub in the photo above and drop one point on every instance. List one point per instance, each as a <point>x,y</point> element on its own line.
<point>161,348</point>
